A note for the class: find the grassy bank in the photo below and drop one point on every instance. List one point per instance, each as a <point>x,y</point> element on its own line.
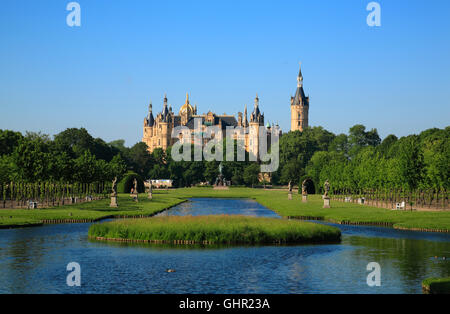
<point>436,285</point>
<point>339,212</point>
<point>89,211</point>
<point>215,230</point>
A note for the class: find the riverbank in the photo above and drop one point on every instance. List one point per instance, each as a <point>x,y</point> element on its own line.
<point>215,230</point>
<point>340,212</point>
<point>436,286</point>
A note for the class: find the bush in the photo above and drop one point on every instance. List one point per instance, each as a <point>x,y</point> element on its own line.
<point>125,185</point>
<point>436,285</point>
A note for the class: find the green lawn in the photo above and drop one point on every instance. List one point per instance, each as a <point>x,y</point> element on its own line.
<point>436,285</point>
<point>215,230</point>
<point>276,200</point>
<point>339,212</point>
<point>91,211</point>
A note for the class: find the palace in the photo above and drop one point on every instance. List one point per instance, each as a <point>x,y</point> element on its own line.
<point>158,131</point>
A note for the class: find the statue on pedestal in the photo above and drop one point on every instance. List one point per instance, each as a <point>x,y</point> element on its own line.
<point>134,193</point>
<point>326,198</point>
<point>290,191</point>
<point>150,190</point>
<point>220,182</point>
<point>114,193</point>
<point>304,192</point>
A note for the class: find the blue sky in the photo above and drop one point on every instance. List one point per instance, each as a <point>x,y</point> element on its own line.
<point>102,75</point>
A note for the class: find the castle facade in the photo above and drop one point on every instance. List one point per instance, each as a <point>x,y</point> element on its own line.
<point>157,131</point>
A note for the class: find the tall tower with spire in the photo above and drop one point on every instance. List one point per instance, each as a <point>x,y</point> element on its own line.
<point>299,106</point>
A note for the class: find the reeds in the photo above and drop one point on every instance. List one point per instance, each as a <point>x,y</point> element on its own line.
<point>222,229</point>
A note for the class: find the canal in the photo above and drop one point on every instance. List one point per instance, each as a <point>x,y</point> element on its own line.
<point>34,260</point>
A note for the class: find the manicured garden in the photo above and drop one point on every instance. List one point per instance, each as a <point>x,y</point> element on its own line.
<point>339,212</point>
<point>222,229</point>
<point>89,211</point>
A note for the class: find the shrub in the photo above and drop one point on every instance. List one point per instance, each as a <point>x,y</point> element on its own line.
<point>125,185</point>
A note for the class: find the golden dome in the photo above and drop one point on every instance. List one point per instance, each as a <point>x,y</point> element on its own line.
<point>186,108</point>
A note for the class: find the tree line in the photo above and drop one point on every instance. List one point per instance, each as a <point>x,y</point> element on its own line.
<point>357,160</point>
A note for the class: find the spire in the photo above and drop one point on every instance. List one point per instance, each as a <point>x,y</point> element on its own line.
<point>245,122</point>
<point>165,100</point>
<point>187,98</point>
<point>300,77</point>
<point>150,119</point>
<point>300,99</point>
<point>256,101</point>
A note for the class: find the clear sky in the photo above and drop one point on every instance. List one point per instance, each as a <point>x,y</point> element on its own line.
<point>102,75</point>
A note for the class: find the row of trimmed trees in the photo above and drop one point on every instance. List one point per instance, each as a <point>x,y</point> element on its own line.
<point>19,194</point>
<point>413,169</point>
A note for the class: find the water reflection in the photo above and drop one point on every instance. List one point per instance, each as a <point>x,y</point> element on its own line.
<point>211,206</point>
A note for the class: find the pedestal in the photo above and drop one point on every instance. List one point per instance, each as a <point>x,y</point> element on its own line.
<point>135,197</point>
<point>223,187</point>
<point>305,198</point>
<point>113,201</point>
<point>290,196</point>
<point>150,195</point>
<point>326,202</point>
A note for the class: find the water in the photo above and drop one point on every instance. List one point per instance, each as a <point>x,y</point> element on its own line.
<point>34,260</point>
<point>210,206</point>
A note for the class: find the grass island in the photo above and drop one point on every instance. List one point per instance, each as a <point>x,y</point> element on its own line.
<point>221,229</point>
<point>276,200</point>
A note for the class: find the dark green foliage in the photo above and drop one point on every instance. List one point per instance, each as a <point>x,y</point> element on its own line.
<point>409,163</point>
<point>8,141</point>
<point>358,160</point>
<point>125,185</point>
<point>436,285</point>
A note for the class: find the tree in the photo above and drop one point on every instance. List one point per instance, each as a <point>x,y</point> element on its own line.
<point>340,144</point>
<point>195,173</point>
<point>158,172</point>
<point>86,168</point>
<point>116,168</point>
<point>436,156</point>
<point>410,162</point>
<point>318,162</point>
<point>61,167</point>
<point>76,142</point>
<point>6,169</point>
<point>358,138</point>
<point>387,144</point>
<point>9,140</point>
<point>141,159</point>
<point>211,171</point>
<point>292,171</point>
<point>251,174</point>
<point>31,159</point>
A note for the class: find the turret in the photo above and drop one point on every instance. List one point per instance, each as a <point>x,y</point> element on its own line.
<point>299,106</point>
